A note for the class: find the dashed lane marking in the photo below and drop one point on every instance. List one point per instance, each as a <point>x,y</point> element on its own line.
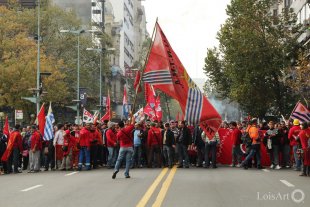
<point>31,188</point>
<point>71,173</point>
<point>287,183</point>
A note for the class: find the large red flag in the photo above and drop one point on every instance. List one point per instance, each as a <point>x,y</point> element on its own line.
<point>107,115</point>
<point>165,72</point>
<point>41,120</point>
<point>158,111</point>
<point>9,148</point>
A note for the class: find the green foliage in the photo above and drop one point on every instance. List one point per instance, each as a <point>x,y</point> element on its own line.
<point>249,65</point>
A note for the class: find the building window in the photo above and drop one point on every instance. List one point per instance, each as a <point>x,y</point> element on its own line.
<point>96,11</point>
<point>93,4</point>
<point>287,3</point>
<point>275,13</point>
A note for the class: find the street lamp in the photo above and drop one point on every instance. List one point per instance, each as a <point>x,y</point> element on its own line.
<point>78,33</point>
<point>38,63</point>
<point>101,51</point>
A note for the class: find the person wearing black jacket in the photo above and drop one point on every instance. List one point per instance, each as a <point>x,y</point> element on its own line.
<point>183,142</point>
<point>200,145</point>
<point>168,144</point>
<point>284,145</point>
<point>272,143</point>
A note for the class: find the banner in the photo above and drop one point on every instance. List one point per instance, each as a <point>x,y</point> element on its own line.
<point>158,110</point>
<point>83,96</point>
<point>224,152</point>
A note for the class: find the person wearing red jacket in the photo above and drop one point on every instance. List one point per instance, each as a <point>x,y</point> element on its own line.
<point>236,141</point>
<point>154,144</point>
<point>125,138</point>
<point>293,137</point>
<point>17,149</point>
<point>35,150</point>
<point>67,151</point>
<point>304,136</point>
<point>84,143</point>
<point>95,138</point>
<point>112,144</point>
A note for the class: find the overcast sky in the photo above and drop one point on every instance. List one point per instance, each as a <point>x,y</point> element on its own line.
<point>190,26</point>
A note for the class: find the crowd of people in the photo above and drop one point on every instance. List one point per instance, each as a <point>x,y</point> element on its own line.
<point>153,145</point>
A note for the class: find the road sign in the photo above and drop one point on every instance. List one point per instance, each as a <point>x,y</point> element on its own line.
<point>19,114</point>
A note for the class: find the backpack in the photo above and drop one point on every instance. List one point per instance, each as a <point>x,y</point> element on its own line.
<point>246,139</point>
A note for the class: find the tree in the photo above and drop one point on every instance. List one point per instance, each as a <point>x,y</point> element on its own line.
<point>255,50</point>
<point>18,57</point>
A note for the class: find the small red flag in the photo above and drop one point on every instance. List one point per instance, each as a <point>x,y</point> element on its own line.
<point>158,111</point>
<point>41,120</point>
<point>107,115</point>
<point>137,83</point>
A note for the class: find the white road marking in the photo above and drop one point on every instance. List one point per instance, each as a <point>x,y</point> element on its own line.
<point>31,188</point>
<point>265,170</point>
<point>287,183</point>
<point>71,173</point>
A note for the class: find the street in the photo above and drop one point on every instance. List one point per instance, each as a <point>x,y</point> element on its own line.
<point>223,186</point>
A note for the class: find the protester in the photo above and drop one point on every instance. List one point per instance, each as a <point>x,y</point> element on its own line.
<point>183,142</point>
<point>137,144</point>
<point>293,137</point>
<point>125,138</point>
<point>58,143</point>
<point>285,145</point>
<point>168,145</point>
<point>35,150</point>
<point>16,138</point>
<point>112,145</point>
<point>210,149</point>
<point>199,144</point>
<point>304,136</point>
<point>255,147</point>
<point>236,141</point>
<point>84,144</point>
<point>154,143</point>
<point>272,142</point>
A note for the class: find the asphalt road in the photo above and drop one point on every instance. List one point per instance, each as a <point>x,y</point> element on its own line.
<point>192,187</point>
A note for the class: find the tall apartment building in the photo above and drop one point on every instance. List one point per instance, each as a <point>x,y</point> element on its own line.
<point>302,9</point>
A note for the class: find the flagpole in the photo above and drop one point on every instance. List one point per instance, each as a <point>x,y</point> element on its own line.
<point>146,59</point>
<point>169,115</point>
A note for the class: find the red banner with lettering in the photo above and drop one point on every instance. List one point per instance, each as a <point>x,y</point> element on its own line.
<point>224,152</point>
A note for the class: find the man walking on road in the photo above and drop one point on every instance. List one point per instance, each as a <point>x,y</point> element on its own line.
<point>125,138</point>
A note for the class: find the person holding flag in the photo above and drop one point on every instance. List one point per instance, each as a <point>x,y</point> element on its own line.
<point>125,138</point>
<point>49,150</point>
<point>16,149</point>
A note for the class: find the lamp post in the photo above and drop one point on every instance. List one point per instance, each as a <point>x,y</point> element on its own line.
<point>101,51</point>
<point>78,33</point>
<point>38,64</point>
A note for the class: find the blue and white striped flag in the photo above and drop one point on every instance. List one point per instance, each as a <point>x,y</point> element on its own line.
<point>48,130</point>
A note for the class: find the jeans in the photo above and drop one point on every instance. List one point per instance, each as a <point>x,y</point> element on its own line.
<point>167,151</point>
<point>112,156</point>
<point>297,159</point>
<point>13,159</point>
<point>84,152</point>
<point>137,155</point>
<point>210,148</point>
<point>34,160</point>
<point>183,155</point>
<point>274,155</point>
<point>255,151</point>
<point>124,152</point>
<point>236,155</point>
